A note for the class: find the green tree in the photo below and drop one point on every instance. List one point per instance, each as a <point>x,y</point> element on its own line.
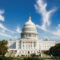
<point>3,47</point>
<point>55,51</point>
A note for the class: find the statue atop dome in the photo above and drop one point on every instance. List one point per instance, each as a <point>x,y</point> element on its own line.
<point>29,17</point>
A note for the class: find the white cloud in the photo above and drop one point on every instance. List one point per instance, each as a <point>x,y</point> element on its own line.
<point>40,27</point>
<point>40,7</point>
<point>57,31</point>
<point>1,15</point>
<point>58,27</point>
<point>1,26</point>
<point>8,35</point>
<point>5,35</point>
<point>1,12</point>
<point>5,29</point>
<point>18,30</point>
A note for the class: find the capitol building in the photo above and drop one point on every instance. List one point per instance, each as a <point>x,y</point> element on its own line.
<point>29,43</point>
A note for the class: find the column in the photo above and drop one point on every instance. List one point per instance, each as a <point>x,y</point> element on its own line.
<point>21,45</point>
<point>17,44</point>
<point>32,46</point>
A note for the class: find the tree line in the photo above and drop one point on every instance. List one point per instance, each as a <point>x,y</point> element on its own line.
<point>54,51</point>
<point>3,47</point>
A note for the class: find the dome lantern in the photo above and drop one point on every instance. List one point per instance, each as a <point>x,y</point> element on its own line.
<point>29,18</point>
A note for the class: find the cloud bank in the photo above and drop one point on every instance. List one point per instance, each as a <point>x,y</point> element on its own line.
<point>40,7</point>
<point>4,31</point>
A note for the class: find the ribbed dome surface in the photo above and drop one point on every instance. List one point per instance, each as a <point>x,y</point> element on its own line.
<point>29,28</point>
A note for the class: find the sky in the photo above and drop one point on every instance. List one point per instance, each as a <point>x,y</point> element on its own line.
<point>44,13</point>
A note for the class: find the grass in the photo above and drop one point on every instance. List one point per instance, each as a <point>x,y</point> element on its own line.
<point>27,58</point>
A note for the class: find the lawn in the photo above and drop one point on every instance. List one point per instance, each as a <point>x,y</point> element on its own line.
<point>30,58</point>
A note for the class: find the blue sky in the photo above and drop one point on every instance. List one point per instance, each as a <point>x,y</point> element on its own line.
<point>44,13</point>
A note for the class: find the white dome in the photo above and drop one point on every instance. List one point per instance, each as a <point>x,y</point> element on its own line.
<point>29,28</point>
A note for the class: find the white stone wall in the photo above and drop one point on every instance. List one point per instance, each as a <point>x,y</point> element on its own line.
<point>23,46</point>
<point>46,45</point>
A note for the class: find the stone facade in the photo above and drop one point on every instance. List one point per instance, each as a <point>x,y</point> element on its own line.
<point>29,42</point>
